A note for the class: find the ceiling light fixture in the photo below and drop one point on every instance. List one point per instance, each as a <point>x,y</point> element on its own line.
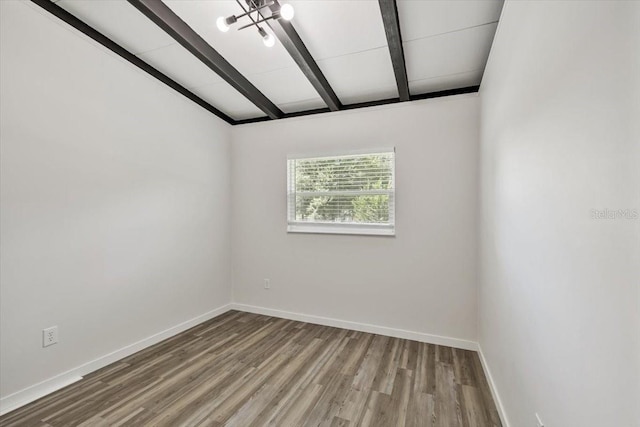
<point>284,11</point>
<point>224,24</point>
<point>267,38</point>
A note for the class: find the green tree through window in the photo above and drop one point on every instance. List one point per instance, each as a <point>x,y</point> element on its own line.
<point>354,189</point>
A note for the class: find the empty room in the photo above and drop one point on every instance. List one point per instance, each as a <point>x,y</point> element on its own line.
<point>320,213</point>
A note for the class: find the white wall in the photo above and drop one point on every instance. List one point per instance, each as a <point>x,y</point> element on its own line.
<point>116,224</point>
<point>422,280</point>
<point>115,221</point>
<point>559,301</point>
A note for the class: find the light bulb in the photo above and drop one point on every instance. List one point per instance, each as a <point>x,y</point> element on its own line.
<point>286,12</point>
<point>222,24</point>
<point>268,40</point>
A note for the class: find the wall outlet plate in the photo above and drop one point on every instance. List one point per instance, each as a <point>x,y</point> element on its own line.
<point>49,336</point>
<point>267,283</point>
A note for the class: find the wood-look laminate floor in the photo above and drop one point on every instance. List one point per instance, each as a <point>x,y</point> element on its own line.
<point>243,369</point>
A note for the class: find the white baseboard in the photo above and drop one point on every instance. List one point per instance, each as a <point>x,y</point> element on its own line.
<point>494,390</point>
<point>36,391</point>
<point>362,327</point>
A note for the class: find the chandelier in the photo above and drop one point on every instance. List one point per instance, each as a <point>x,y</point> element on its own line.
<point>256,7</point>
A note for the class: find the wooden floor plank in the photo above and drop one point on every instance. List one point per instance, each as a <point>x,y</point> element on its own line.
<point>242,369</point>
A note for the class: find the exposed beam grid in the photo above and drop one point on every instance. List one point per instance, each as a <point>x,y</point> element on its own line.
<point>288,36</point>
<point>428,95</point>
<point>172,24</point>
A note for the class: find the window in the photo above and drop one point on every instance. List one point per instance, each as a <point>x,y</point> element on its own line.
<point>345,194</point>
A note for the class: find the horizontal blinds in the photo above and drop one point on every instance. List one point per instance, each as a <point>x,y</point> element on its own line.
<point>346,190</point>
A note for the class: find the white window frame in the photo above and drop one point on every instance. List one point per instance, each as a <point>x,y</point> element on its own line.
<point>294,226</point>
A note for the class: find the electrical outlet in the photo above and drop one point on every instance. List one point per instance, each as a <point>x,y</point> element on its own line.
<point>539,421</point>
<point>49,336</point>
<point>267,284</point>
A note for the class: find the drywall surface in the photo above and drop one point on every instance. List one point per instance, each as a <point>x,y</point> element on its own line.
<point>114,190</point>
<point>423,279</point>
<point>559,308</point>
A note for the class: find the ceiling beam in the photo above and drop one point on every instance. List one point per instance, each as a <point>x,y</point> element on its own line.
<point>391,23</point>
<point>92,33</point>
<point>288,36</point>
<point>428,95</point>
<point>165,18</point>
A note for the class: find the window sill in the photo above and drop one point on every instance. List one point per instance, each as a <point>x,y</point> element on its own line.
<point>336,229</point>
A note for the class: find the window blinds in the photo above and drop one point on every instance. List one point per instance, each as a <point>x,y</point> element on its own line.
<point>353,193</point>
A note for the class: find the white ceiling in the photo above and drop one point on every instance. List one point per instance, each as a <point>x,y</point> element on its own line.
<point>446,45</point>
<point>126,26</point>
<point>448,54</point>
<point>348,41</point>
<point>424,18</point>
